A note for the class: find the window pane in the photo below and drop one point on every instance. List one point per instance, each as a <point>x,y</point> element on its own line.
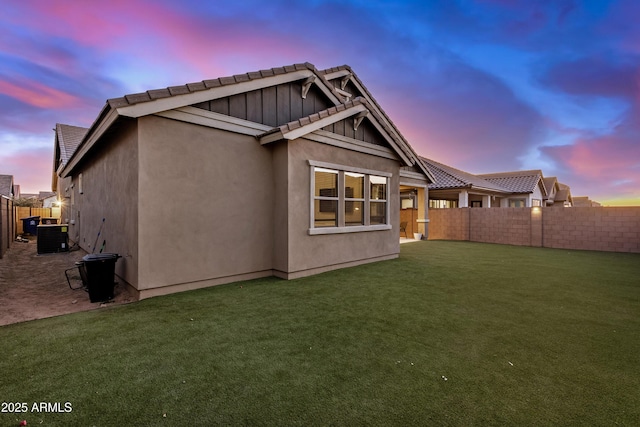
<point>325,213</point>
<point>354,185</point>
<point>354,213</point>
<point>378,187</point>
<point>378,213</point>
<point>326,182</point>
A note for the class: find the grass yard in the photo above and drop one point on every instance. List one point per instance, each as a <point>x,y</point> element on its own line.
<point>451,333</point>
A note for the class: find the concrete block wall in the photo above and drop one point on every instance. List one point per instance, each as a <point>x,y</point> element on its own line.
<point>615,229</point>
<point>510,226</point>
<point>449,224</point>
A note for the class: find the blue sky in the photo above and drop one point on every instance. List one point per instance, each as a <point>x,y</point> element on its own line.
<point>483,86</point>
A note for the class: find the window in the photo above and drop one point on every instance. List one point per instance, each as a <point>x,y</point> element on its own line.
<point>353,199</point>
<point>517,203</point>
<point>536,202</point>
<point>348,199</point>
<point>442,204</point>
<point>326,198</point>
<point>378,200</point>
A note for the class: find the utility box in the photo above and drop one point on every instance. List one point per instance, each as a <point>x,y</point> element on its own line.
<point>53,238</point>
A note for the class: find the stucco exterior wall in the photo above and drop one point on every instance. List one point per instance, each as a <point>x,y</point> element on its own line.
<point>106,186</point>
<point>310,254</point>
<point>206,206</point>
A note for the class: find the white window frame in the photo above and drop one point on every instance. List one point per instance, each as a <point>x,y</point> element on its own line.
<point>341,227</point>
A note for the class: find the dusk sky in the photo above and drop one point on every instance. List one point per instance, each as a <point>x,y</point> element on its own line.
<point>484,86</point>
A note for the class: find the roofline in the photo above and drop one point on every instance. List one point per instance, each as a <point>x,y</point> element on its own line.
<point>345,70</point>
<point>159,100</point>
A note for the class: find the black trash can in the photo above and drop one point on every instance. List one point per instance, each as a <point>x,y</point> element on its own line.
<point>100,271</point>
<point>49,221</point>
<point>30,225</point>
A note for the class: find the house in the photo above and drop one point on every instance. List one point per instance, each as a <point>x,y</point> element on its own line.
<point>67,140</point>
<point>455,188</point>
<point>563,196</point>
<point>290,171</point>
<point>7,186</point>
<point>48,199</point>
<point>527,187</point>
<point>584,201</point>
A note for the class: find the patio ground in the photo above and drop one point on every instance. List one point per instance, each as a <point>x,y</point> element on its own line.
<point>34,286</point>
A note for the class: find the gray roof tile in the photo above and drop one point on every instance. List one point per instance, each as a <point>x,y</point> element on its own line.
<point>517,181</point>
<point>449,177</point>
<point>69,138</point>
<point>159,93</point>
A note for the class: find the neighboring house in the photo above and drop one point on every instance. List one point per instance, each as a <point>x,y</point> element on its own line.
<point>300,170</point>
<point>67,140</point>
<point>48,199</point>
<point>455,188</point>
<point>563,196</point>
<point>16,191</point>
<point>7,186</point>
<point>552,187</point>
<point>526,187</point>
<point>584,201</point>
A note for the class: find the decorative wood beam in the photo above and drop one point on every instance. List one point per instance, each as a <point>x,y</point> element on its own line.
<point>306,85</point>
<point>358,119</point>
<point>345,80</point>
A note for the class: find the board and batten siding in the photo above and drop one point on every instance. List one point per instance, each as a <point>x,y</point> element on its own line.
<point>281,104</point>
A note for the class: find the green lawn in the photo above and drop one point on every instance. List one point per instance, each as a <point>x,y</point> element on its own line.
<point>451,333</point>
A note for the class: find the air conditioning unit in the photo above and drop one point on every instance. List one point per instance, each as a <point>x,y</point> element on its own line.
<point>53,238</point>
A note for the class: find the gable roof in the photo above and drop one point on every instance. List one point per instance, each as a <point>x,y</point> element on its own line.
<point>68,138</point>
<point>447,177</point>
<point>176,97</point>
<point>6,185</point>
<point>517,181</point>
<point>346,75</point>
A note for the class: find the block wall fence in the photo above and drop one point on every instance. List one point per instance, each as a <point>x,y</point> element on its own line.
<point>613,229</point>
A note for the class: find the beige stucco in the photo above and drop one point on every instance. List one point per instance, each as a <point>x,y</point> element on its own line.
<point>311,253</point>
<point>107,187</point>
<point>206,199</point>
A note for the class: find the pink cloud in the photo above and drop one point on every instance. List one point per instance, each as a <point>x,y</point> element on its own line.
<point>603,168</point>
<point>158,34</point>
<point>37,94</point>
<point>31,169</point>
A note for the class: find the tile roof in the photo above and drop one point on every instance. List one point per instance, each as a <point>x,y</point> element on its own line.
<point>449,177</point>
<point>517,181</point>
<point>304,121</point>
<point>69,138</point>
<point>6,185</point>
<point>406,145</point>
<point>154,94</point>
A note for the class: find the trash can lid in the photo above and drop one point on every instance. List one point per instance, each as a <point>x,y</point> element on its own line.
<point>31,217</point>
<point>100,257</point>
